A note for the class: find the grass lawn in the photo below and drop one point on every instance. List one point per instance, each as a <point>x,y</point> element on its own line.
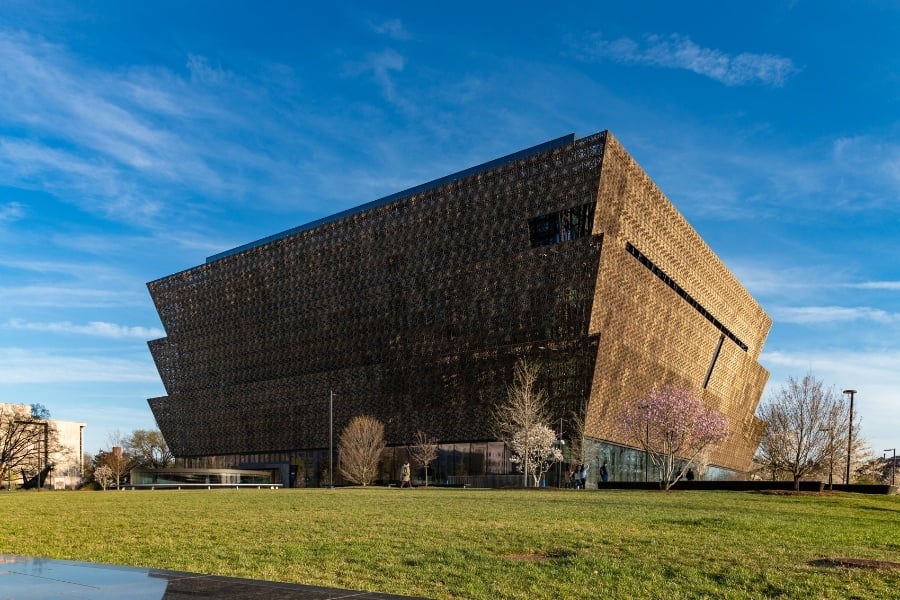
<point>451,543</point>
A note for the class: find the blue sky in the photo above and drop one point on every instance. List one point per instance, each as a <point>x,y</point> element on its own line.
<point>138,138</point>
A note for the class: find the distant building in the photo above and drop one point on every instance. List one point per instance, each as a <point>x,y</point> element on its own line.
<point>61,446</point>
<point>414,308</point>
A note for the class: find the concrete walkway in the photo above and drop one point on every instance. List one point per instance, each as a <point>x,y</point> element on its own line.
<point>27,578</point>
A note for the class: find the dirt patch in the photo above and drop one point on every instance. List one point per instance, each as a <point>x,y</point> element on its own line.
<point>857,563</point>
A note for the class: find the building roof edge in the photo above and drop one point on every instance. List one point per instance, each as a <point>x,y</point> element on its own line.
<point>543,147</point>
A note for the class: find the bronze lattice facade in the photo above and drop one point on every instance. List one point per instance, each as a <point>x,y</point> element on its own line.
<point>414,308</point>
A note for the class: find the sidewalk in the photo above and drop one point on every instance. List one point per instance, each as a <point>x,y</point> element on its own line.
<point>27,578</point>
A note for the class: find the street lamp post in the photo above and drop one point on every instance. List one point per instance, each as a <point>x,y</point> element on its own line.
<point>851,393</point>
<point>893,461</point>
<point>560,464</point>
<point>331,440</point>
<point>38,444</point>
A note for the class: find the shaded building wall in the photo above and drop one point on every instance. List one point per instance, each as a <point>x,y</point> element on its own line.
<point>650,333</point>
<point>412,312</point>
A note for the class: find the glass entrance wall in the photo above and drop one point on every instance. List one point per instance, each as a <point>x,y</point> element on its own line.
<point>631,464</point>
<point>219,477</point>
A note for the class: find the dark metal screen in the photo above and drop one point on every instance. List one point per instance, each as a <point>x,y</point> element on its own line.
<point>412,311</point>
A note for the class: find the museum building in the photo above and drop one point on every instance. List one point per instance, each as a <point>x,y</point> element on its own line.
<point>414,308</point>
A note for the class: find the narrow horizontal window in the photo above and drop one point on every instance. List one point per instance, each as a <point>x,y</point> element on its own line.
<point>644,260</point>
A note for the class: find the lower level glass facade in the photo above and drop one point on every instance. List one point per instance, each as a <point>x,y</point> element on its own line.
<point>471,464</point>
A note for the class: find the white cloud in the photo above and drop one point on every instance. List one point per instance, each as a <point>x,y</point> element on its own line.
<point>129,144</point>
<point>393,28</point>
<point>868,158</point>
<point>382,65</point>
<point>201,72</point>
<point>93,328</point>
<point>832,314</point>
<point>679,52</point>
<point>893,286</point>
<point>24,366</point>
<point>11,211</point>
<point>69,297</point>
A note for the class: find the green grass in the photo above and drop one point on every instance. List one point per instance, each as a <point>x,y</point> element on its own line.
<point>442,543</point>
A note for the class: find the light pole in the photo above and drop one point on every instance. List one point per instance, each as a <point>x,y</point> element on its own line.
<point>851,393</point>
<point>560,464</point>
<point>893,461</point>
<point>38,445</point>
<point>331,440</point>
<point>830,431</point>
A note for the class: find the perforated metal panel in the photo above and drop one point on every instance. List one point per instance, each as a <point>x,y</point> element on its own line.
<point>413,310</point>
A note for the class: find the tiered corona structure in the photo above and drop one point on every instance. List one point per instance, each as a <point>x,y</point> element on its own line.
<point>414,308</point>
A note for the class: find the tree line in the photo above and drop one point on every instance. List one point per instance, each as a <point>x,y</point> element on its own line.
<point>145,448</point>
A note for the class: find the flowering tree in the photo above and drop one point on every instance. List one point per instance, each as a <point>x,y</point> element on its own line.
<point>673,423</point>
<point>104,476</point>
<point>524,409</point>
<point>534,450</point>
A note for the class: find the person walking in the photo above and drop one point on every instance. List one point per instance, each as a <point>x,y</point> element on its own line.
<point>405,479</point>
<point>604,473</point>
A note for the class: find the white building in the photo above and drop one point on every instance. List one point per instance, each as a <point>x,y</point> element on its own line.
<point>63,448</point>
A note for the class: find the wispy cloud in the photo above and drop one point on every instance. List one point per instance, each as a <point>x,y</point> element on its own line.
<point>50,296</point>
<point>131,143</point>
<point>893,286</point>
<point>382,66</point>
<point>867,157</point>
<point>24,366</point>
<point>11,211</point>
<point>94,328</point>
<point>806,315</point>
<point>677,51</point>
<point>392,28</point>
<point>202,72</point>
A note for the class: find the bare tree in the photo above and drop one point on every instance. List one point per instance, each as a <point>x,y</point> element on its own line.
<point>359,449</point>
<point>117,460</point>
<point>424,451</point>
<point>806,424</point>
<point>674,427</point>
<point>148,448</point>
<point>26,442</point>
<point>525,408</point>
<point>116,457</point>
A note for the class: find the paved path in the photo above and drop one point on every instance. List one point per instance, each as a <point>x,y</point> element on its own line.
<point>27,578</point>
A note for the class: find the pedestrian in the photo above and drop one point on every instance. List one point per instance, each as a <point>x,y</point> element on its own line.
<point>604,473</point>
<point>690,475</point>
<point>405,476</point>
<point>584,474</point>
